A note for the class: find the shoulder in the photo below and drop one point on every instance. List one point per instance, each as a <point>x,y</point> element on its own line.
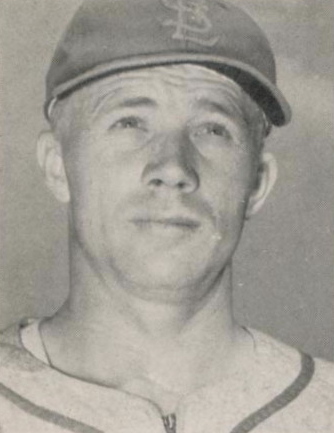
<point>317,401</point>
<point>20,371</point>
<point>13,355</point>
<point>309,392</point>
<point>284,357</point>
<point>21,376</point>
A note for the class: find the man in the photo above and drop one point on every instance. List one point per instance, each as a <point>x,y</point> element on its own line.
<point>159,110</point>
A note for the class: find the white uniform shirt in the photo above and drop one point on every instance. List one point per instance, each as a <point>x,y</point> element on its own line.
<point>281,391</point>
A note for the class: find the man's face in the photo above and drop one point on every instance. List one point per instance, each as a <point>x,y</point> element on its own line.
<point>160,166</point>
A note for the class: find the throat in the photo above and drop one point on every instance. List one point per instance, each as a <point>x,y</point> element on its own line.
<point>158,352</point>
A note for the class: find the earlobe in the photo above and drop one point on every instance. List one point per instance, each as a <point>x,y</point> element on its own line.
<point>267,175</point>
<point>49,156</point>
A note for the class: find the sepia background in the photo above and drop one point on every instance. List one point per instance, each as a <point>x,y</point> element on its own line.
<point>284,271</point>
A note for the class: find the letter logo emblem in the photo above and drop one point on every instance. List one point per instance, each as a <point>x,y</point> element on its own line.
<point>192,22</point>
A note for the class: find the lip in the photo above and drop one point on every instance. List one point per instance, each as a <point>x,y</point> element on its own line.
<point>180,222</point>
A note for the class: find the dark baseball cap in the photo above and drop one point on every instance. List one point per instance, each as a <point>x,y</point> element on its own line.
<point>113,36</point>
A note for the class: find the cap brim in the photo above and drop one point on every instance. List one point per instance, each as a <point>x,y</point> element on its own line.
<point>260,89</point>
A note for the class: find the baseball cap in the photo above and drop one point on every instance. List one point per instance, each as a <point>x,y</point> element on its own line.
<point>112,36</point>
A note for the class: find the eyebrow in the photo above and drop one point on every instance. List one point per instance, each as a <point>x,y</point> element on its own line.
<point>139,101</point>
<point>215,106</point>
<point>136,102</point>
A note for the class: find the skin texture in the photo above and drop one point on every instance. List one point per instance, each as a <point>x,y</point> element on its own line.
<point>159,168</point>
<point>142,164</point>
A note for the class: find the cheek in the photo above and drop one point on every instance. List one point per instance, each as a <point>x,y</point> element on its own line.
<point>100,181</point>
<point>229,181</point>
<point>228,186</point>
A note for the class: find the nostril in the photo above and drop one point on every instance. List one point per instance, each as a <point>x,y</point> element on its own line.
<point>170,173</point>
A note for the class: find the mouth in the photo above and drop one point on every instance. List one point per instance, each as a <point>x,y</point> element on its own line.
<point>164,223</point>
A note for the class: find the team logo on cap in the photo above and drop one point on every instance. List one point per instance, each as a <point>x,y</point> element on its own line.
<point>192,22</point>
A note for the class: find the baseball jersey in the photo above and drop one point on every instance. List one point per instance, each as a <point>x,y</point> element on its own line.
<point>281,391</point>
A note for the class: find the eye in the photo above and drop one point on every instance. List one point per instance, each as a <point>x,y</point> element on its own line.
<point>216,129</point>
<point>129,122</point>
<point>213,129</point>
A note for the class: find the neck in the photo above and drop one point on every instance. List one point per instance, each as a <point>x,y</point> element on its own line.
<point>176,346</point>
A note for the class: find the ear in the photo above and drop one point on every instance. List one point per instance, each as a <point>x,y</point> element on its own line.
<point>267,175</point>
<point>50,159</point>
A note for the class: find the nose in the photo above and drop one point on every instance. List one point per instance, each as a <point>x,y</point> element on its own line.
<point>172,166</point>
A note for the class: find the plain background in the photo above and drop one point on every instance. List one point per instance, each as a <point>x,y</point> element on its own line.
<point>284,269</point>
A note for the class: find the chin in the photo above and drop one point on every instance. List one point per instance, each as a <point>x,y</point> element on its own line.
<point>166,278</point>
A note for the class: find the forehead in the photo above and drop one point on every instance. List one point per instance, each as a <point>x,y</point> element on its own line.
<point>176,82</point>
<point>182,77</point>
<point>180,85</point>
